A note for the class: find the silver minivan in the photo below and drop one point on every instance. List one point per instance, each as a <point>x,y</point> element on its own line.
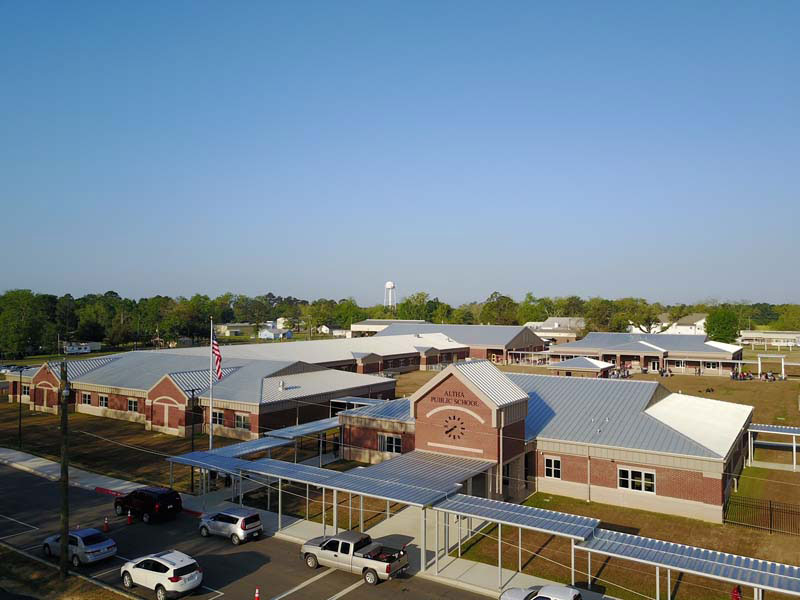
<point>237,524</point>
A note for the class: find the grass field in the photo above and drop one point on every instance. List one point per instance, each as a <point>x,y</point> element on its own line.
<point>553,554</point>
<point>115,455</point>
<point>22,577</point>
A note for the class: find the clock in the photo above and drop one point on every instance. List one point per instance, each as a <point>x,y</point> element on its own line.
<point>454,427</point>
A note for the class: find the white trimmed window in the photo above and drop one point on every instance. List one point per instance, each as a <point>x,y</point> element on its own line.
<point>218,417</point>
<point>133,405</point>
<point>86,398</point>
<point>552,467</point>
<point>243,422</point>
<point>26,390</point>
<point>711,365</point>
<point>102,401</point>
<point>390,443</point>
<point>636,480</point>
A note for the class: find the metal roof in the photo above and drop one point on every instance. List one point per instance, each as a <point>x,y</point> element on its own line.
<point>250,447</point>
<point>607,412</point>
<point>470,335</point>
<point>743,570</point>
<point>277,438</point>
<point>388,321</point>
<point>304,429</point>
<point>197,380</point>
<point>78,368</point>
<point>392,410</point>
<point>611,342</point>
<point>580,362</point>
<point>517,515</point>
<point>779,429</point>
<point>324,381</point>
<point>491,381</point>
<point>358,401</point>
<point>418,478</point>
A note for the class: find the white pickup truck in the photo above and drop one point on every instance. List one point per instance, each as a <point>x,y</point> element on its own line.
<point>355,552</point>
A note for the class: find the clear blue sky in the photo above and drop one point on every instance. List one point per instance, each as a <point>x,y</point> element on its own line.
<point>318,149</point>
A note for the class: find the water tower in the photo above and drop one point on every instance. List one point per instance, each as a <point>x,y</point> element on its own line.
<point>390,296</point>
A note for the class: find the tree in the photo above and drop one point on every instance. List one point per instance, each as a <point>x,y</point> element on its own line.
<point>643,316</point>
<point>599,315</point>
<point>442,313</point>
<point>721,325</point>
<point>535,309</point>
<point>20,322</point>
<point>348,312</point>
<point>414,307</point>
<point>462,316</point>
<point>788,317</point>
<point>568,306</point>
<point>499,310</point>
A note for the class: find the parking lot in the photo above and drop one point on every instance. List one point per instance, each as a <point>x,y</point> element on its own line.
<point>29,512</point>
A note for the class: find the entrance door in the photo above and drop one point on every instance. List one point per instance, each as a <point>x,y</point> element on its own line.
<point>654,365</point>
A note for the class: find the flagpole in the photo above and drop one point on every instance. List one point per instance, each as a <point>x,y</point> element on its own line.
<point>211,387</point>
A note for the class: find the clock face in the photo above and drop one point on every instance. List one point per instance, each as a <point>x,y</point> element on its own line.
<point>454,427</point>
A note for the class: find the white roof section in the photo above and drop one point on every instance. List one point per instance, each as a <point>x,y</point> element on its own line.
<point>491,381</point>
<point>713,424</point>
<point>723,346</point>
<point>580,362</point>
<point>315,383</point>
<point>327,351</point>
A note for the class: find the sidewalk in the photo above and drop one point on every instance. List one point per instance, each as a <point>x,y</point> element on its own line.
<point>402,528</point>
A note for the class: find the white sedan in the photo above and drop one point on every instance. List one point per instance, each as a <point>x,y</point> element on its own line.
<point>542,592</point>
<point>169,573</point>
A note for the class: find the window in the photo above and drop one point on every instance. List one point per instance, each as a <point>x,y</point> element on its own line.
<point>390,443</point>
<point>218,417</point>
<point>102,401</point>
<point>243,422</point>
<point>344,548</point>
<point>331,546</point>
<point>711,365</point>
<point>86,398</point>
<point>26,390</point>
<point>552,468</point>
<point>133,405</point>
<point>636,480</point>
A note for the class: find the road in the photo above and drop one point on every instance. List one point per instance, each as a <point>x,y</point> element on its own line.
<point>29,512</point>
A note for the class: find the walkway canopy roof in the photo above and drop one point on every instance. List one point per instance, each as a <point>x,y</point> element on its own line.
<point>779,429</point>
<point>517,515</point>
<point>277,438</point>
<point>745,571</point>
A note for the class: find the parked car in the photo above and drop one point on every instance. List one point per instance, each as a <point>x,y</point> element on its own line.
<point>85,546</point>
<point>237,524</point>
<point>169,573</point>
<point>542,592</point>
<point>149,503</point>
<point>355,552</point>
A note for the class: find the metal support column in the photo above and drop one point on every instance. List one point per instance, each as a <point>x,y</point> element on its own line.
<point>458,518</point>
<point>589,569</point>
<point>307,494</point>
<point>519,550</point>
<point>320,450</point>
<point>423,548</point>
<point>499,556</point>
<point>280,502</point>
<point>349,510</point>
<point>361,512</point>
<point>335,509</point>
<point>324,523</point>
<point>171,485</point>
<point>436,544</point>
<point>446,534</point>
<point>658,583</point>
<point>241,491</point>
<point>794,453</point>
<point>572,560</point>
<point>387,509</point>
<point>669,584</point>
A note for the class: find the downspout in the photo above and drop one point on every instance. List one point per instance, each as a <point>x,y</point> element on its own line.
<point>588,474</point>
<point>500,470</point>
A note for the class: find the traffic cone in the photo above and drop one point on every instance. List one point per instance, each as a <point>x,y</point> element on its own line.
<point>258,595</point>
<point>130,518</point>
<point>106,528</point>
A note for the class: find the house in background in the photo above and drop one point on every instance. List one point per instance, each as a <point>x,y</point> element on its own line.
<point>81,347</point>
<point>235,329</point>
<point>691,324</point>
<point>273,333</point>
<point>779,339</point>
<point>558,330</point>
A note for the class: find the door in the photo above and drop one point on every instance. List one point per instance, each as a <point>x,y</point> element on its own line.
<point>344,561</point>
<point>142,573</point>
<point>654,365</point>
<point>72,546</point>
<point>329,554</point>
<point>215,525</point>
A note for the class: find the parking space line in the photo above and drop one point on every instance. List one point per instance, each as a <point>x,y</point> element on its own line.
<point>106,572</point>
<point>32,527</point>
<point>297,588</point>
<point>34,547</point>
<point>347,590</point>
<point>219,594</point>
<point>5,537</point>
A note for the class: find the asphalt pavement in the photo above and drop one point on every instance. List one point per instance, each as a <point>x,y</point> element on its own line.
<point>29,512</point>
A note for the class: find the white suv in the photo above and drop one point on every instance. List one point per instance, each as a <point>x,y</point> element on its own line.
<point>169,573</point>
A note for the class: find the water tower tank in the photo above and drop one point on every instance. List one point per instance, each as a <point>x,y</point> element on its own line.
<point>390,285</point>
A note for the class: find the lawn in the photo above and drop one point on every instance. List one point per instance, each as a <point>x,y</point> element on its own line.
<point>26,577</point>
<point>552,554</point>
<point>128,450</point>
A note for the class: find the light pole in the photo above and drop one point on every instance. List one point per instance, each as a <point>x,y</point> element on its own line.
<point>64,555</point>
<point>19,427</point>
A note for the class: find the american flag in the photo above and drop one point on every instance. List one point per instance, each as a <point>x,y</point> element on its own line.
<point>217,356</point>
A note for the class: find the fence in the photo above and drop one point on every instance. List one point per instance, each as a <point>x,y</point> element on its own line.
<point>768,515</point>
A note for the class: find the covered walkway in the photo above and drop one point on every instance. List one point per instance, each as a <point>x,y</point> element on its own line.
<point>755,428</point>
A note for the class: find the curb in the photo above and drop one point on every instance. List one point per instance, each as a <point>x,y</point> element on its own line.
<point>455,583</point>
<point>96,582</point>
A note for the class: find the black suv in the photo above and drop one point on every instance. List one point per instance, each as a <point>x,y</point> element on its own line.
<point>149,503</point>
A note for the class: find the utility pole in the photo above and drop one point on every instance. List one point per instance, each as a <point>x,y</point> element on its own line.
<point>19,397</point>
<point>193,413</point>
<point>64,407</point>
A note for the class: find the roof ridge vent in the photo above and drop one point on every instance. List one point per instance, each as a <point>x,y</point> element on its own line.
<point>281,385</point>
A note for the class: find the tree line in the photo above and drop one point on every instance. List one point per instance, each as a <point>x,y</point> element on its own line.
<point>33,323</point>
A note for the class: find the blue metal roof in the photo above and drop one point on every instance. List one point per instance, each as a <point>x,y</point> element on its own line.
<point>779,429</point>
<point>305,429</point>
<point>470,335</point>
<point>743,570</point>
<point>392,410</point>
<point>250,447</point>
<point>612,342</point>
<point>517,515</point>
<point>277,438</point>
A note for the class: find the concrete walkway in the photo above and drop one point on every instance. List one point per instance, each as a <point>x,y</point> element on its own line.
<point>402,528</point>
